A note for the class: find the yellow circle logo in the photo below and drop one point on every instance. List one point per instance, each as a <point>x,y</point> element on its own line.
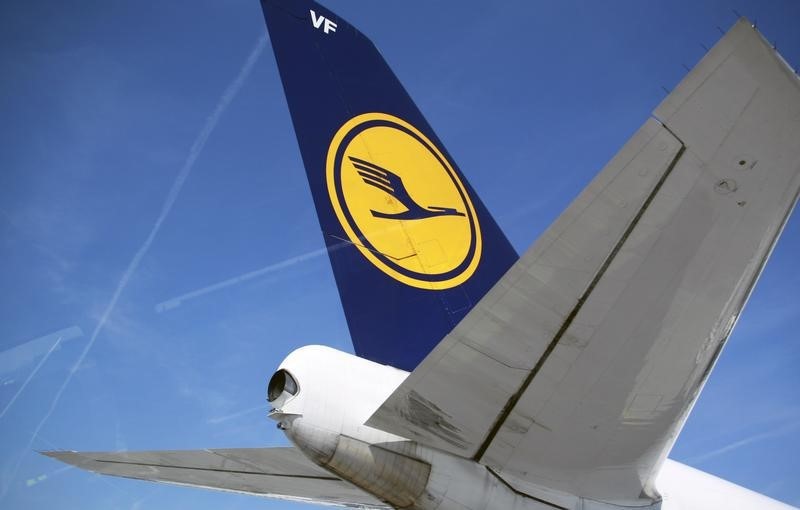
<point>401,202</point>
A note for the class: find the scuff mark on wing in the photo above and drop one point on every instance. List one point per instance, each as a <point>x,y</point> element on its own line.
<point>428,416</point>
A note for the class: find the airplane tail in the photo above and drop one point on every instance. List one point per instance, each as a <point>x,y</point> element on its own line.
<point>411,245</point>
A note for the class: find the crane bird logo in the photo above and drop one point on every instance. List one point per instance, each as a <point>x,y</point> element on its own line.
<point>401,203</point>
<point>391,183</point>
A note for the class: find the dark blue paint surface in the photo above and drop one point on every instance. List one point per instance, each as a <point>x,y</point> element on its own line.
<point>329,79</point>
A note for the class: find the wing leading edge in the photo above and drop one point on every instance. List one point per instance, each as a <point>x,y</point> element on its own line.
<point>579,368</point>
<point>280,473</point>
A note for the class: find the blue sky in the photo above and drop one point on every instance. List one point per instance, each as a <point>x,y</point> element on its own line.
<point>155,216</point>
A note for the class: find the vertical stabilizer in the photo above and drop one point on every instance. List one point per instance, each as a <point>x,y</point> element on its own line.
<point>411,245</point>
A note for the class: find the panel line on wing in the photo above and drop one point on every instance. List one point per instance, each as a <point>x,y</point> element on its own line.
<point>238,472</point>
<point>520,493</point>
<point>370,249</point>
<point>508,408</point>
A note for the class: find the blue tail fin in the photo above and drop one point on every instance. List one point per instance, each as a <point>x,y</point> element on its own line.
<point>411,245</point>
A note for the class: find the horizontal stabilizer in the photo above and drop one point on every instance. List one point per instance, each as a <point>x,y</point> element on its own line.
<point>280,473</point>
<point>579,368</point>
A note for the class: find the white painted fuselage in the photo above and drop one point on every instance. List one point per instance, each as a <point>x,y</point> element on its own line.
<point>337,393</point>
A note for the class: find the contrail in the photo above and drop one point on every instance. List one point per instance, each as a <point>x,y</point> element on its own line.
<point>744,442</point>
<point>175,302</point>
<point>183,174</point>
<point>32,374</point>
<point>26,353</point>
<point>46,476</point>
<point>221,419</point>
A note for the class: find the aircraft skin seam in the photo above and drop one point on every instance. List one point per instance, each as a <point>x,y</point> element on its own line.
<point>351,243</point>
<point>519,492</point>
<point>479,350</point>
<point>389,450</point>
<point>512,401</point>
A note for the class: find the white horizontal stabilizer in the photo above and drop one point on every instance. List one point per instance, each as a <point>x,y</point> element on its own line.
<point>281,473</point>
